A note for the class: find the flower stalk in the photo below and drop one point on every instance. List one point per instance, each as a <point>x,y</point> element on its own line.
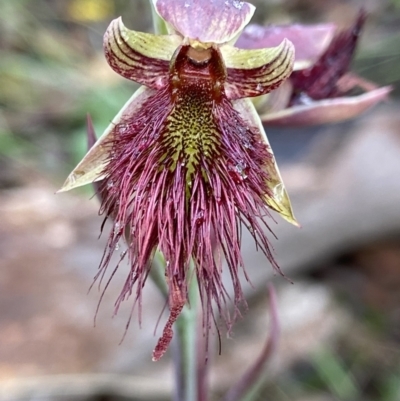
<point>187,334</point>
<point>159,26</point>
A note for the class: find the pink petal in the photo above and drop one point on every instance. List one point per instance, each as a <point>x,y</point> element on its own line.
<point>309,41</point>
<point>326,111</point>
<point>216,21</point>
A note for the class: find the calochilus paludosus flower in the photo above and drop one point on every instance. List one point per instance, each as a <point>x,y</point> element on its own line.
<point>186,163</point>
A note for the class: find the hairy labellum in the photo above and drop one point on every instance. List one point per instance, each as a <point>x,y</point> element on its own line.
<point>187,171</point>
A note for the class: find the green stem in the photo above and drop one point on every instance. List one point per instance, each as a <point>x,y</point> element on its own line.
<point>160,28</point>
<point>185,351</point>
<point>157,274</point>
<point>186,363</point>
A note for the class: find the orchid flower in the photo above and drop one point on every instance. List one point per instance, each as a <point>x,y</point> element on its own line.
<point>186,162</point>
<point>321,88</point>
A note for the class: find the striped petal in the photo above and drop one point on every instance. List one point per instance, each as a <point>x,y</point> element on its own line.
<point>256,72</point>
<point>140,57</point>
<point>279,201</point>
<point>206,21</point>
<point>90,169</point>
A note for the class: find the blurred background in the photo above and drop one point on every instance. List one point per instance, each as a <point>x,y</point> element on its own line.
<point>341,318</point>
